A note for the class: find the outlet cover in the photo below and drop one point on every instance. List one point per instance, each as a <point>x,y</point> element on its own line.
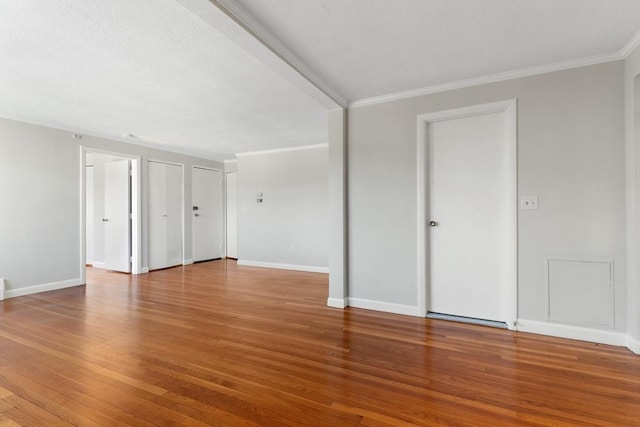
<point>529,202</point>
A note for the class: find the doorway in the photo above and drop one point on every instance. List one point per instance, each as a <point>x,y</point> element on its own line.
<point>110,206</point>
<point>467,213</point>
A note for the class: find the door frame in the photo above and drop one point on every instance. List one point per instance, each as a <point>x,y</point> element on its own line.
<point>136,204</point>
<point>509,108</point>
<point>222,213</point>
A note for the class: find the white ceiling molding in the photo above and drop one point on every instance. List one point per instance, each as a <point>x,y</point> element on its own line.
<point>494,78</point>
<point>252,36</point>
<point>283,150</point>
<point>631,45</point>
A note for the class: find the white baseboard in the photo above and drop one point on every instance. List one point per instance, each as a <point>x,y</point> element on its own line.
<point>187,261</point>
<point>602,336</point>
<point>98,264</point>
<point>410,310</point>
<point>633,344</point>
<point>144,270</point>
<point>28,290</point>
<point>1,289</point>
<point>309,268</point>
<point>337,302</point>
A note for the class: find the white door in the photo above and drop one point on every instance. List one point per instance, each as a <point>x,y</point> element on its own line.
<point>117,223</point>
<point>468,215</point>
<point>206,212</point>
<point>232,215</point>
<point>89,195</point>
<point>165,215</point>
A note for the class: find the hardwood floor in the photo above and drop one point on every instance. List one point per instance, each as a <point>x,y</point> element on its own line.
<point>218,344</point>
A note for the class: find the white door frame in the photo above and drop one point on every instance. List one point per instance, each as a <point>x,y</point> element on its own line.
<point>136,203</point>
<point>223,207</point>
<point>508,107</point>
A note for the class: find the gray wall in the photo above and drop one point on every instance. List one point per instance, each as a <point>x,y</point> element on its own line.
<point>570,154</point>
<point>632,131</point>
<point>40,201</point>
<point>291,225</point>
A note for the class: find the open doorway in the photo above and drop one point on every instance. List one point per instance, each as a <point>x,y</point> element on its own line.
<point>110,202</point>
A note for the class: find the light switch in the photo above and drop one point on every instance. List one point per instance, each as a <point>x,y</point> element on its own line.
<point>529,202</point>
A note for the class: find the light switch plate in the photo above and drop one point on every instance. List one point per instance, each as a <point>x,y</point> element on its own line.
<point>529,202</point>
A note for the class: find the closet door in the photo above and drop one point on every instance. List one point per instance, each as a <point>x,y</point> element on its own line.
<point>174,214</point>
<point>165,215</point>
<point>206,196</point>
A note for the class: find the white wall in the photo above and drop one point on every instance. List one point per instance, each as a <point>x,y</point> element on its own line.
<point>570,154</point>
<point>40,208</point>
<point>290,227</point>
<point>632,138</point>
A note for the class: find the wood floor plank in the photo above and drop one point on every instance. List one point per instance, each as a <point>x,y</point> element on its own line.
<point>220,344</point>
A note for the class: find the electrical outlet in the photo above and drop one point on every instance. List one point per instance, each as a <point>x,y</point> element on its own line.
<point>529,202</point>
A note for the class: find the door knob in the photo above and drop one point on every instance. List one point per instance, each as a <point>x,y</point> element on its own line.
<point>105,220</point>
<point>433,223</point>
<point>197,215</point>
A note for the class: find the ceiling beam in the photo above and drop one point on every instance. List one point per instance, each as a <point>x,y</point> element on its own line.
<point>233,21</point>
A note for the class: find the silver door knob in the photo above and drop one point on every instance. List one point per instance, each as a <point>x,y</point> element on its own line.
<point>433,223</point>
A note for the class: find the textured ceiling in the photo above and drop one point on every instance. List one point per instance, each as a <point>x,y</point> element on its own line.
<point>370,48</point>
<point>152,69</point>
<point>185,76</point>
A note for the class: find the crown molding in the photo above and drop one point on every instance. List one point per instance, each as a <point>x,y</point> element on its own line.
<point>282,150</point>
<point>631,45</point>
<point>491,78</point>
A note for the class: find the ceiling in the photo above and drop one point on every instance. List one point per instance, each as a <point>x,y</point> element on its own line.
<point>218,77</point>
<point>365,49</point>
<point>153,69</point>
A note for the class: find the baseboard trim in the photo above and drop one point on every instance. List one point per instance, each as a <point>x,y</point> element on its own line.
<point>633,344</point>
<point>187,261</point>
<point>337,302</point>
<point>308,268</point>
<point>144,270</point>
<point>53,286</point>
<point>409,310</point>
<point>573,332</point>
<point>1,289</point>
<point>97,264</point>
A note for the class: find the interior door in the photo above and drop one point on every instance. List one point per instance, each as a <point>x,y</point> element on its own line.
<point>165,215</point>
<point>232,215</point>
<point>117,202</point>
<point>468,216</point>
<point>206,195</point>
<point>89,224</point>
